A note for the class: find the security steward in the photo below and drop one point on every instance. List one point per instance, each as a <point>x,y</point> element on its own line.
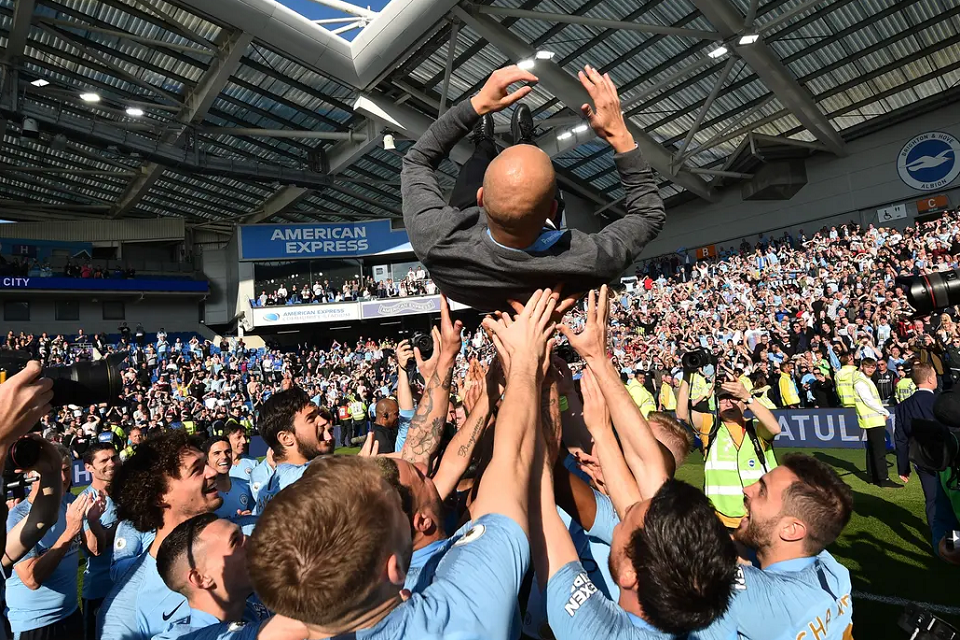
<point>737,451</point>
<point>636,387</point>
<point>872,418</point>
<point>844,380</point>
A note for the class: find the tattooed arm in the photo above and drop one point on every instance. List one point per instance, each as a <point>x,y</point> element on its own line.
<point>460,451</point>
<point>426,427</point>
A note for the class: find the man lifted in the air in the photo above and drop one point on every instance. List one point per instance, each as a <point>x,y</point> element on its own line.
<point>504,248</point>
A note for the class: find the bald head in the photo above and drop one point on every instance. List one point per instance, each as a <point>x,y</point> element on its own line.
<point>388,412</point>
<point>518,195</point>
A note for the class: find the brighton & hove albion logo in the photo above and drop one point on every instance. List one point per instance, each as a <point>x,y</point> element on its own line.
<point>929,161</point>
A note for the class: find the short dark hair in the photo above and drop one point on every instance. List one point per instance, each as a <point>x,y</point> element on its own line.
<point>179,543</point>
<point>685,561</point>
<point>318,550</point>
<point>140,482</point>
<point>212,441</point>
<point>96,448</point>
<point>233,427</point>
<point>821,499</point>
<point>278,413</point>
<point>868,362</point>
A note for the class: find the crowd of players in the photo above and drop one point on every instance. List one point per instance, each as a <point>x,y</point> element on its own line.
<point>416,283</point>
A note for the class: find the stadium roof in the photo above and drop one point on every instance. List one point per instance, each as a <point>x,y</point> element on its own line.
<point>246,110</point>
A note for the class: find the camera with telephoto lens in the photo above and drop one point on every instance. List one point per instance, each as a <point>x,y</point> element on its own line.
<point>83,383</point>
<point>696,360</point>
<point>566,353</point>
<point>923,625</point>
<point>931,292</point>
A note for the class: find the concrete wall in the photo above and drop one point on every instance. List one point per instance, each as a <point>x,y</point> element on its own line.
<point>839,189</point>
<point>175,314</point>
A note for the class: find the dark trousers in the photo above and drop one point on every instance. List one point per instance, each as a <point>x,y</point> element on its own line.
<point>471,175</point>
<point>929,482</point>
<point>876,456</point>
<point>346,433</point>
<point>70,628</point>
<point>90,609</point>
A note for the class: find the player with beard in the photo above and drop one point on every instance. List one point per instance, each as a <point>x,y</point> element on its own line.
<point>736,451</point>
<point>792,514</point>
<point>101,462</point>
<point>671,558</point>
<point>166,482</point>
<point>297,431</point>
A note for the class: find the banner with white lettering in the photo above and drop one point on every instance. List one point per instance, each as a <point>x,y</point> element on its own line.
<point>819,429</point>
<point>336,240</point>
<point>303,313</point>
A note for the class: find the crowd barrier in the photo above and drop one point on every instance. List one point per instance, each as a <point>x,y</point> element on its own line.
<point>800,428</point>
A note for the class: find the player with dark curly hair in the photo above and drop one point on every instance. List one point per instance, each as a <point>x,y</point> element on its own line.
<point>166,482</point>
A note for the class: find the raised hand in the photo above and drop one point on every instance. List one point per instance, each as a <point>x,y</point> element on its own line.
<point>429,367</point>
<point>370,448</point>
<point>522,341</point>
<point>404,353</point>
<point>605,116</point>
<point>24,399</point>
<point>495,95</point>
<point>450,340</point>
<point>596,415</point>
<point>591,343</point>
<point>75,515</point>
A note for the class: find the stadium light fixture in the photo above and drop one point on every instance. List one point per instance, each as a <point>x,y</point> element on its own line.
<point>749,38</point>
<point>545,55</point>
<point>565,135</point>
<point>718,52</point>
<point>90,96</point>
<point>40,82</point>
<point>389,142</point>
<point>527,64</point>
<point>580,128</point>
<point>134,112</point>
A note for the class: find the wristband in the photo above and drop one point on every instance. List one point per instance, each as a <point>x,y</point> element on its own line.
<point>564,405</point>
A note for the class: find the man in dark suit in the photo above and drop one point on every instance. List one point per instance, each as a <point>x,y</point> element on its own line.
<point>919,406</point>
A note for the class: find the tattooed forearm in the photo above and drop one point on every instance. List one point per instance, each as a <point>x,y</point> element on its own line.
<point>426,427</point>
<point>466,450</point>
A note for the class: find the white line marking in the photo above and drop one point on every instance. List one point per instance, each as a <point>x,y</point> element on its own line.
<point>937,608</point>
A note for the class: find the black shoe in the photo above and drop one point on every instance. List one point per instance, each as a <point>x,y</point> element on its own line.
<point>890,484</point>
<point>483,130</point>
<point>521,125</point>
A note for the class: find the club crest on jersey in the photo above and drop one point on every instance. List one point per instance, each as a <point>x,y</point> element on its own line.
<point>120,544</point>
<point>474,534</point>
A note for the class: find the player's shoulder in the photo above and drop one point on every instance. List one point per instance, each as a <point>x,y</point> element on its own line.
<point>17,513</point>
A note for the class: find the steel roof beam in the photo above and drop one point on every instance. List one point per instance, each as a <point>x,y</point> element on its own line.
<point>657,29</point>
<point>569,90</point>
<point>20,31</point>
<point>729,22</point>
<point>196,105</point>
<point>339,157</point>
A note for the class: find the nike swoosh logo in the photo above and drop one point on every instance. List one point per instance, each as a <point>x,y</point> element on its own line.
<point>167,616</point>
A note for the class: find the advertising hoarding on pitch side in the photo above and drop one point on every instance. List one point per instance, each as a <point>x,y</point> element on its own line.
<point>311,241</point>
<point>302,313</point>
<point>105,284</point>
<point>819,429</point>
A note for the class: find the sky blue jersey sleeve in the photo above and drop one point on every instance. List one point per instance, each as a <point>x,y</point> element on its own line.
<point>576,609</point>
<point>605,520</point>
<point>406,415</point>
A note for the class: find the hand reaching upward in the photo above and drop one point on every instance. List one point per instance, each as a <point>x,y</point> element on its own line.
<point>495,95</point>
<point>605,115</point>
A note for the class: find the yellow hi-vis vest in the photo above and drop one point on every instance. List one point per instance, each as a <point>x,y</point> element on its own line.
<point>867,417</point>
<point>668,400</point>
<point>905,389</point>
<point>357,410</point>
<point>642,398</point>
<point>844,381</point>
<point>746,382</point>
<point>190,427</point>
<point>728,469</point>
<point>788,390</point>
<point>699,387</point>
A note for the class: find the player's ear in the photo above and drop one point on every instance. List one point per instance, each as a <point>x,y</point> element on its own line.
<point>395,572</point>
<point>480,197</point>
<point>287,439</point>
<point>423,523</point>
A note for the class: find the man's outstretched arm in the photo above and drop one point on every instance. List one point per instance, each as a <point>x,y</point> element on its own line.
<point>622,240</point>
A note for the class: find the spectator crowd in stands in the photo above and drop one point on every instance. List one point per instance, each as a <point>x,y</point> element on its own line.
<point>416,283</point>
<point>35,268</point>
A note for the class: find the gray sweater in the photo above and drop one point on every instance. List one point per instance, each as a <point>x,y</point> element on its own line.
<point>471,268</point>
